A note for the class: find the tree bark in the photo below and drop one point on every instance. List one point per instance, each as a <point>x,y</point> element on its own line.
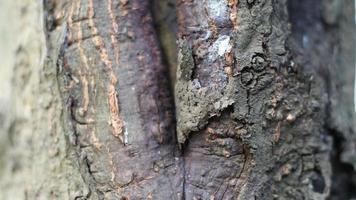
<point>186,99</point>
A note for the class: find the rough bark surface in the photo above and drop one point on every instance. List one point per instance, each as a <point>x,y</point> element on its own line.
<point>116,94</point>
<point>261,108</point>
<point>244,106</point>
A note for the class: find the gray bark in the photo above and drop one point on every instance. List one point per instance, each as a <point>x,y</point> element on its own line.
<point>253,101</point>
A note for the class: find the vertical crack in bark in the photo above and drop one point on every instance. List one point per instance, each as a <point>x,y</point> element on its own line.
<point>184,174</point>
<point>221,109</point>
<point>165,24</point>
<point>165,21</point>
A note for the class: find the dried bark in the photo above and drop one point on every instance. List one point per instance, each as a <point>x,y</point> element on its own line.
<point>116,91</point>
<point>261,106</point>
<point>239,98</point>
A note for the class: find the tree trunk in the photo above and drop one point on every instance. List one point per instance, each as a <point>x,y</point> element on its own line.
<point>253,101</point>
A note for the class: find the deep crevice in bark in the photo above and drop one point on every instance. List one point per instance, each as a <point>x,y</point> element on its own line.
<point>86,160</point>
<point>163,21</point>
<point>344,176</point>
<point>165,25</point>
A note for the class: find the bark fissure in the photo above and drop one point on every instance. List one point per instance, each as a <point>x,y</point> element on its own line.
<point>257,86</point>
<point>228,97</point>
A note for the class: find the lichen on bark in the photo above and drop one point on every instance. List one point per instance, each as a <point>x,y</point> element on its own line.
<point>260,112</point>
<point>275,112</point>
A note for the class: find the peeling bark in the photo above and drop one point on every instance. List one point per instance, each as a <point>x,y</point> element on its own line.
<point>239,75</point>
<point>111,77</point>
<point>261,106</point>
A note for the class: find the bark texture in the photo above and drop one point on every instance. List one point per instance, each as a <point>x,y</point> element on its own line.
<point>244,106</point>
<point>115,91</point>
<point>256,105</point>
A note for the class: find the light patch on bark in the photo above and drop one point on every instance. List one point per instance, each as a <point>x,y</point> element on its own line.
<point>221,46</point>
<point>114,41</point>
<point>126,134</point>
<point>217,8</point>
<point>115,120</point>
<point>224,45</point>
<point>233,12</point>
